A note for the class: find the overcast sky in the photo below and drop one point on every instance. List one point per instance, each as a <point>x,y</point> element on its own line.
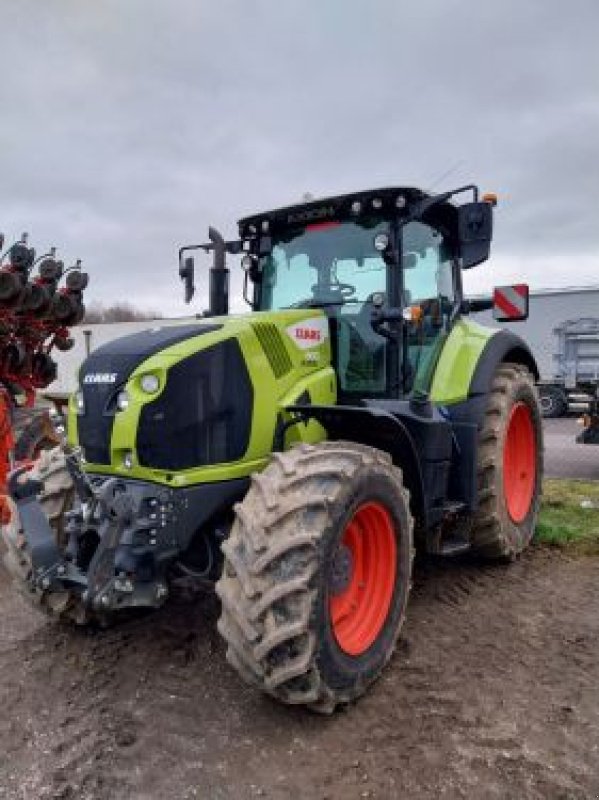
<point>127,126</point>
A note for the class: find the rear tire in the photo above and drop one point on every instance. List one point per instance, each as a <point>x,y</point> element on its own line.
<point>510,466</point>
<point>317,574</point>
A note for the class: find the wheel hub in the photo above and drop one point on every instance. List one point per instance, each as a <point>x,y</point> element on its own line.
<point>519,462</point>
<point>363,578</point>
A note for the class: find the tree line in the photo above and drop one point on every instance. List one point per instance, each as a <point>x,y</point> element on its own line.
<point>98,313</point>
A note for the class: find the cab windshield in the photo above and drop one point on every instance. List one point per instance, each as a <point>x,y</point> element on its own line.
<point>335,265</point>
<point>323,264</point>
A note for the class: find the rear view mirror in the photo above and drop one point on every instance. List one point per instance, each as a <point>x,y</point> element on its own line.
<point>510,303</point>
<point>475,231</point>
<point>186,273</point>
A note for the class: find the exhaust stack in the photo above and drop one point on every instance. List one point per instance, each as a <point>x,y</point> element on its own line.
<point>219,276</point>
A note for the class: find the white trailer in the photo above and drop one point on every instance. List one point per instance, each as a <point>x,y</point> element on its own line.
<point>562,331</point>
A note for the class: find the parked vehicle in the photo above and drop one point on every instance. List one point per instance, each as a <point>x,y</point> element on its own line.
<point>563,333</point>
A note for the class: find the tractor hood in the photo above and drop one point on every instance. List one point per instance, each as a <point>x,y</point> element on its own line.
<point>114,362</point>
<point>176,402</point>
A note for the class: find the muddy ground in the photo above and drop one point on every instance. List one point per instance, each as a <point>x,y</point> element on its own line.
<point>493,693</point>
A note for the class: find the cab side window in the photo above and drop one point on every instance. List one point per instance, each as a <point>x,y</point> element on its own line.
<point>427,263</point>
<point>428,284</point>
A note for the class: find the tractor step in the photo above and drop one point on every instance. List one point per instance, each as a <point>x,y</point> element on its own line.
<point>453,507</point>
<point>454,542</point>
<point>453,547</point>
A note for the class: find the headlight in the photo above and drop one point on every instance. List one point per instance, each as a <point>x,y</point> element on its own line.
<point>122,400</point>
<point>128,460</point>
<point>150,383</point>
<point>79,402</point>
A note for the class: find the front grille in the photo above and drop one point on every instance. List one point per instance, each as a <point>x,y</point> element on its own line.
<point>118,359</point>
<point>274,348</point>
<point>204,414</point>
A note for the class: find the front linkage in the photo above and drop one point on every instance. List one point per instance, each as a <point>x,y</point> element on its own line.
<point>117,537</point>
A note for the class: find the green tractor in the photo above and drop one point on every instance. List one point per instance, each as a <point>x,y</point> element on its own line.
<point>295,456</point>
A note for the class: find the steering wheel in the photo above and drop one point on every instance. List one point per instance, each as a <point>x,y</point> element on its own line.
<point>335,290</point>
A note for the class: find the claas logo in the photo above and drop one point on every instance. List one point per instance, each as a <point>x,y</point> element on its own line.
<point>308,333</point>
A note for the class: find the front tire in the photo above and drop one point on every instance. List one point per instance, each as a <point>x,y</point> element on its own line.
<point>317,574</point>
<point>510,466</point>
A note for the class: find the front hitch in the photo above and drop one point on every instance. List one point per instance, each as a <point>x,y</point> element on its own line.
<point>110,580</point>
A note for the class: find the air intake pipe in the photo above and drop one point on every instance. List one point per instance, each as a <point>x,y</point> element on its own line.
<point>219,276</point>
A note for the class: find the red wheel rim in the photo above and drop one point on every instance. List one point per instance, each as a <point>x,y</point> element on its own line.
<point>519,462</point>
<point>362,586</point>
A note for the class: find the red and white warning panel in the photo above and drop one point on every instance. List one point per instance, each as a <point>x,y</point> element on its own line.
<point>510,303</point>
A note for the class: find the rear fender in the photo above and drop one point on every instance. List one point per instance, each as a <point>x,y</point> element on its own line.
<point>503,347</point>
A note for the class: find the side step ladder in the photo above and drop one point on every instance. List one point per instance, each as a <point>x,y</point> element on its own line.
<point>453,543</point>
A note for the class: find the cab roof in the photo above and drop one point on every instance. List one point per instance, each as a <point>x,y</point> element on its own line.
<point>374,202</point>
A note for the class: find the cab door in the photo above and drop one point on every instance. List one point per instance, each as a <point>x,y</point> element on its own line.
<point>429,296</point>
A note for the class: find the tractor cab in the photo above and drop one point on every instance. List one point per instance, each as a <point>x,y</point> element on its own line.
<point>387,279</point>
<point>384,266</point>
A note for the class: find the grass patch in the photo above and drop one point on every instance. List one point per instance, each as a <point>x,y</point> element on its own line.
<point>563,521</point>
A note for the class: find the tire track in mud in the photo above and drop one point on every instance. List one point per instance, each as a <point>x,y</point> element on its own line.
<point>511,678</point>
<point>92,727</point>
<point>72,726</point>
<point>492,693</point>
<point>182,675</point>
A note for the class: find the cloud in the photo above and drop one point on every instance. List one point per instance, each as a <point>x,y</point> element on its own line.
<point>125,128</point>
